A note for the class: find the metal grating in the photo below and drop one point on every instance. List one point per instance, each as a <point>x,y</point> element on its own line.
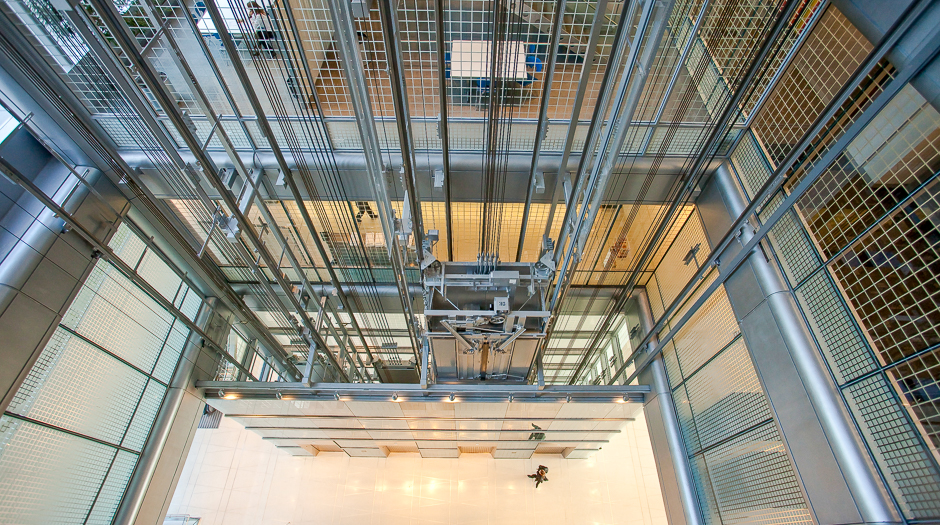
<point>35,488</point>
<point>711,327</point>
<point>753,480</point>
<point>78,387</point>
<point>112,490</point>
<point>680,397</point>
<point>827,58</point>
<point>840,341</point>
<point>918,379</point>
<point>147,406</point>
<point>797,254</point>
<point>115,314</point>
<point>726,396</point>
<point>889,277</point>
<point>673,273</point>
<point>750,164</point>
<point>894,154</point>
<point>912,474</point>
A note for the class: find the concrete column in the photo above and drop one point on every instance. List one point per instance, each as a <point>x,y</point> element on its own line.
<point>672,461</point>
<point>838,475</point>
<point>154,481</point>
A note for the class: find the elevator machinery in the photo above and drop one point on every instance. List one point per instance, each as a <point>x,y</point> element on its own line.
<point>486,319</point>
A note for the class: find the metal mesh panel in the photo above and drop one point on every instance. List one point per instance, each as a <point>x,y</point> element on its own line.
<point>704,491</point>
<point>686,420</point>
<point>113,489</point>
<point>797,253</point>
<point>656,299</point>
<point>830,54</point>
<point>127,246</point>
<point>159,275</point>
<point>170,355</point>
<point>750,165</point>
<point>918,379</point>
<point>897,151</point>
<point>889,277</point>
<point>754,482</point>
<point>711,327</point>
<point>115,314</point>
<point>841,343</point>
<point>912,475</point>
<point>149,404</point>
<point>671,361</point>
<point>674,272</point>
<point>800,22</point>
<point>77,386</point>
<point>726,396</point>
<point>48,477</point>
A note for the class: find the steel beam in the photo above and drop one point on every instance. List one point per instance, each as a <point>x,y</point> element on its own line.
<point>444,130</point>
<point>621,40</point>
<point>346,39</point>
<point>250,191</point>
<point>631,87</point>
<point>543,119</point>
<point>388,11</point>
<point>599,17</point>
<point>675,74</point>
<point>230,48</point>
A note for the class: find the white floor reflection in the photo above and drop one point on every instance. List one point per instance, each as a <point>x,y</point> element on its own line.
<point>233,477</point>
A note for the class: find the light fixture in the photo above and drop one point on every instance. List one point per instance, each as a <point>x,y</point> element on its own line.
<point>623,399</point>
<point>452,398</point>
<point>510,398</point>
<point>395,397</point>
<point>336,396</point>
<point>278,395</point>
<point>221,393</point>
<point>568,398</point>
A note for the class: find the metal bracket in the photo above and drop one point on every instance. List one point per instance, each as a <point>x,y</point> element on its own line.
<point>539,182</point>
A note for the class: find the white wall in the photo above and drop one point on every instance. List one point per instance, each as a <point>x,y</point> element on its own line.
<point>233,477</point>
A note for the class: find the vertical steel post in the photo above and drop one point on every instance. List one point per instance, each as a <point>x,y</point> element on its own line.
<point>543,118</point>
<point>659,385</point>
<point>861,475</point>
<point>351,59</point>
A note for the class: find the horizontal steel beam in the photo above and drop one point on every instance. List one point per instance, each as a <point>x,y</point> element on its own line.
<point>549,162</point>
<point>414,392</point>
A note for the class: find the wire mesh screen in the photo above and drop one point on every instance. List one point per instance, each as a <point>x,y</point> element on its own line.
<point>827,58</point>
<point>71,436</point>
<point>859,249</point>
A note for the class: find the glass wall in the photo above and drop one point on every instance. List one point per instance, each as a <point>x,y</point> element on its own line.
<point>72,435</point>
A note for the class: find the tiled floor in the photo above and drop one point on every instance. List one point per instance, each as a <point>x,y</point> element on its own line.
<point>233,477</point>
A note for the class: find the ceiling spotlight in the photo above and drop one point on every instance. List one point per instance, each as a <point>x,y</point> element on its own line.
<point>623,399</point>
<point>568,398</point>
<point>221,393</point>
<point>452,398</point>
<point>336,396</point>
<point>395,397</point>
<point>510,398</point>
<point>278,395</point>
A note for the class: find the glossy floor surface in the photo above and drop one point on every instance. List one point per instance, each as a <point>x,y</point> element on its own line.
<point>233,477</point>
